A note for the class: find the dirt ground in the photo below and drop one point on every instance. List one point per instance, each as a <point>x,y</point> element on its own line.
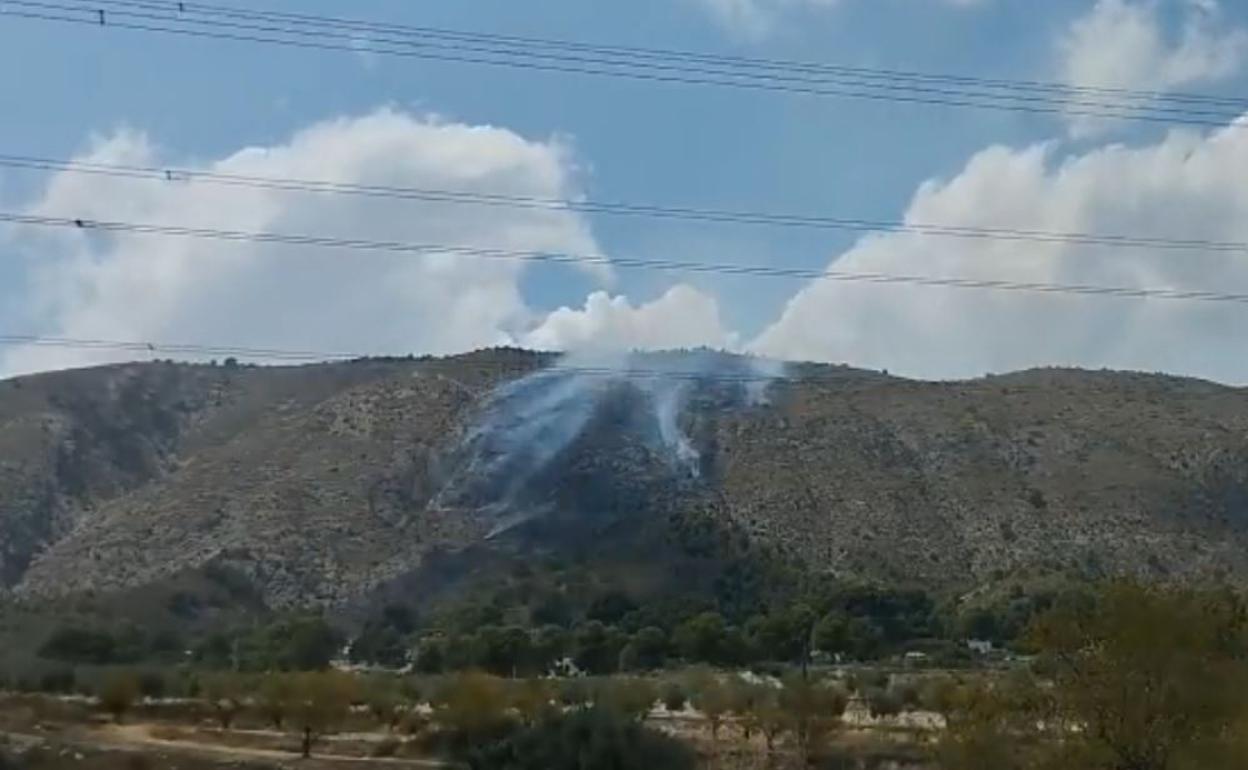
<point>56,733</point>
<point>137,747</point>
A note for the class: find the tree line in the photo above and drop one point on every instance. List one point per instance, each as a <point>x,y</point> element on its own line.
<point>612,633</point>
<point>1123,677</point>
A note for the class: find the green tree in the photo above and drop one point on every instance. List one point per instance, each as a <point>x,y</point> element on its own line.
<point>430,657</point>
<point>596,648</point>
<point>80,645</point>
<point>549,644</point>
<point>321,701</point>
<point>784,635</point>
<point>471,709</point>
<point>703,638</point>
<point>384,702</point>
<point>1149,676</point>
<point>710,697</point>
<point>1138,678</point>
<point>674,696</point>
<point>995,725</point>
<point>379,644</point>
<point>856,638</point>
<point>832,634</point>
<point>304,643</point>
<point>981,623</point>
<point>311,645</point>
<point>226,694</point>
<point>743,699</point>
<point>275,697</point>
<point>551,609</point>
<point>646,651</point>
<point>61,680</point>
<point>532,700</point>
<point>770,718</point>
<point>610,608</point>
<point>941,695</point>
<point>583,739</point>
<point>574,693</point>
<point>813,710</point>
<point>632,697</point>
<point>883,703</point>
<point>400,617</point>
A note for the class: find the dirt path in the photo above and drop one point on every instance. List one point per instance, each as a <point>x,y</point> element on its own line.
<point>140,735</point>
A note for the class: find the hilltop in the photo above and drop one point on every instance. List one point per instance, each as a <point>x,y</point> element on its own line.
<point>324,484</point>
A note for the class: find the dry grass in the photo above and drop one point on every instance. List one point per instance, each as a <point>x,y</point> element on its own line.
<point>63,728</point>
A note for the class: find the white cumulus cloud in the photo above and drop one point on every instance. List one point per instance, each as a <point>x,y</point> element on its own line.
<point>1126,44</point>
<point>1187,185</point>
<point>90,284</point>
<point>682,318</point>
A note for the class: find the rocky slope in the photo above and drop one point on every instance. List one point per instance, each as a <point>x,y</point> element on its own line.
<point>322,482</point>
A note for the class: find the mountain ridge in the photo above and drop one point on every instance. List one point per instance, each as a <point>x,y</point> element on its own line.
<point>323,482</point>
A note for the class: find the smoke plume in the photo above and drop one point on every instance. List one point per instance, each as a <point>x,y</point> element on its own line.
<point>527,427</point>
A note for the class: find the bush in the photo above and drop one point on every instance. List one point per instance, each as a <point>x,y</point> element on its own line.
<point>574,692</point>
<point>866,679</point>
<point>674,697</point>
<point>224,692</point>
<point>319,703</point>
<point>152,684</point>
<point>883,703</point>
<point>80,645</point>
<point>61,680</point>
<point>469,710</point>
<point>585,739</point>
<point>118,693</point>
<point>630,698</point>
<point>908,694</point>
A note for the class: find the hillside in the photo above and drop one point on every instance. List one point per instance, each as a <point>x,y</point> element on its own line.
<point>323,483</point>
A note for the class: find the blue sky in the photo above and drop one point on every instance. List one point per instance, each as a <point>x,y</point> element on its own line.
<point>197,102</point>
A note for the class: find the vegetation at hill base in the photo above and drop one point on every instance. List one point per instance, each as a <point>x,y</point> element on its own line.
<point>1117,676</point>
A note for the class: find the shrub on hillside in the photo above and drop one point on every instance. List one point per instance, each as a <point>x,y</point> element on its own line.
<point>118,693</point>
<point>584,739</point>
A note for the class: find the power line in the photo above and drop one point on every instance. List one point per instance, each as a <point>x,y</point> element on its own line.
<point>719,59</point>
<point>617,208</point>
<point>622,371</point>
<point>730,63</point>
<point>636,70</point>
<point>731,368</point>
<point>354,44</point>
<point>630,263</point>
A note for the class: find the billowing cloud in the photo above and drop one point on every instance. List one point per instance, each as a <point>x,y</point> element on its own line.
<point>1187,185</point>
<point>91,284</point>
<point>682,318</point>
<point>1126,44</point>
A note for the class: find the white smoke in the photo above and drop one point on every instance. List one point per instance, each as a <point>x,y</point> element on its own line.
<point>527,425</point>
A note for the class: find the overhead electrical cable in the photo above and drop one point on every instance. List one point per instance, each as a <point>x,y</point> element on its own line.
<point>731,368</point>
<point>739,62</point>
<point>628,263</point>
<point>166,19</point>
<point>735,64</point>
<point>616,208</point>
<point>476,361</point>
